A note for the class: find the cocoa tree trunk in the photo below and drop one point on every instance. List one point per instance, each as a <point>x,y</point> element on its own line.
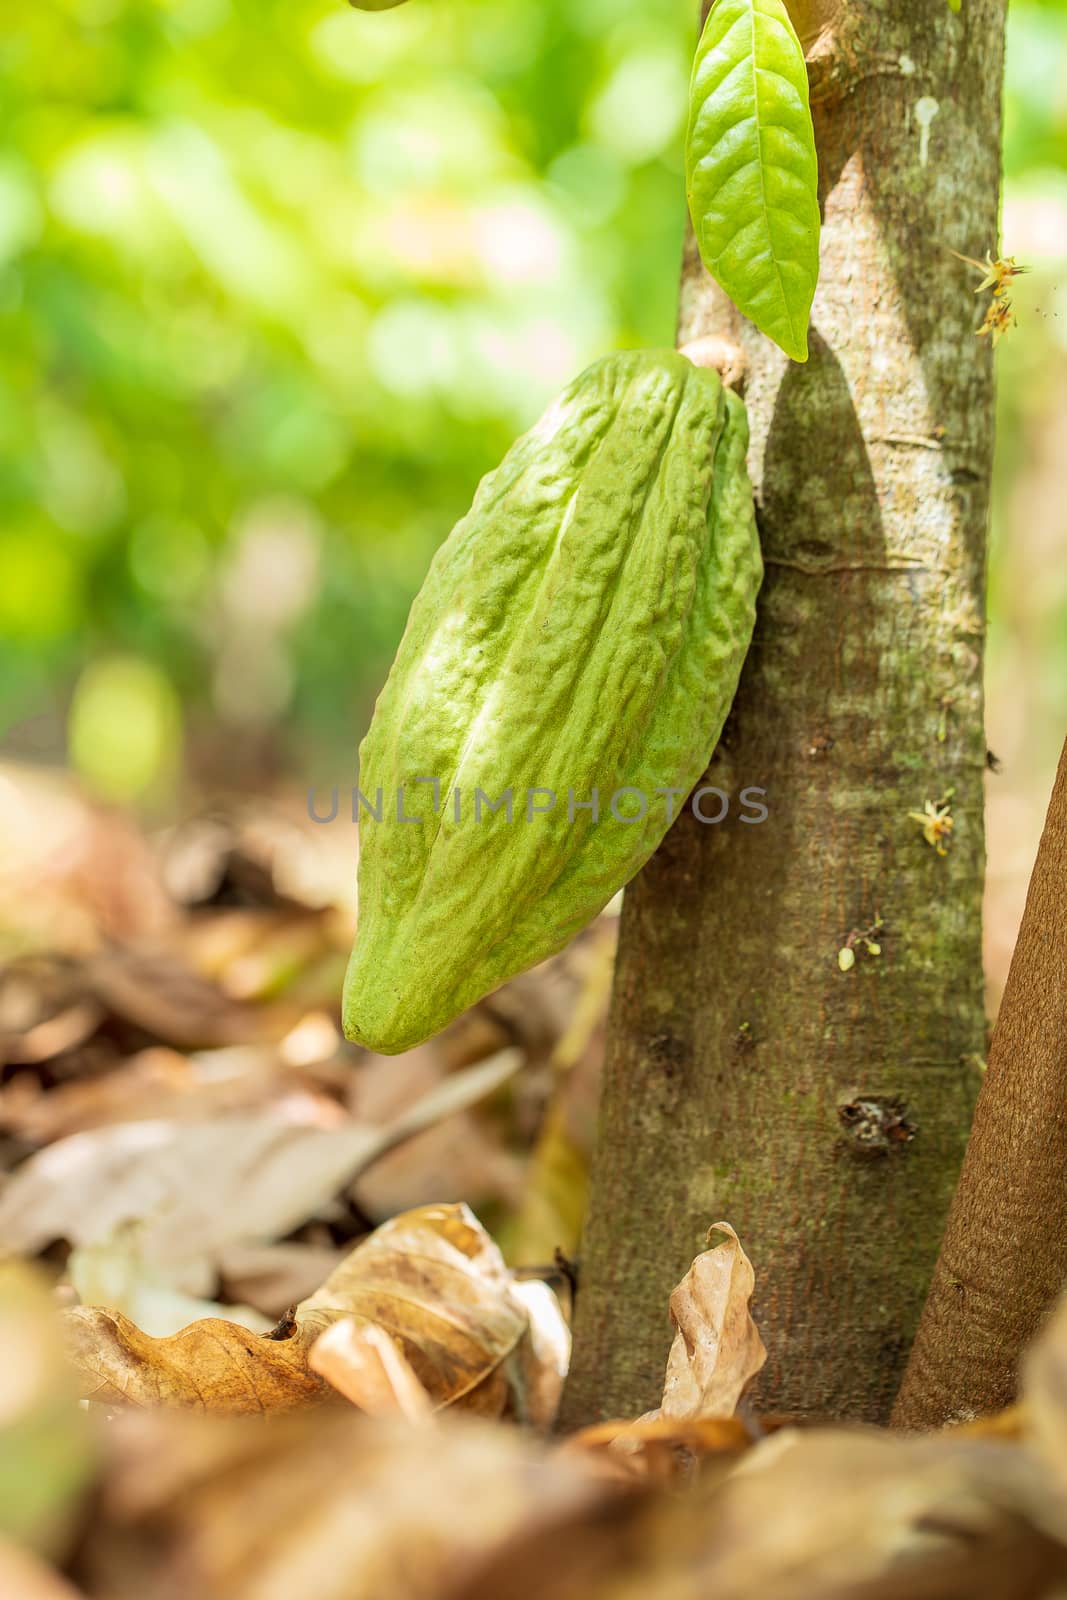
<point>1003,1261</point>
<point>822,1112</point>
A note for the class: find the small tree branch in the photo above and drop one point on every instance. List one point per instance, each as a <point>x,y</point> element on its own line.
<point>722,355</point>
<point>1003,1260</point>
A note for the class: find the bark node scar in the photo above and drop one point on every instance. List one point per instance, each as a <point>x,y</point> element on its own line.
<point>875,1127</point>
<point>839,60</point>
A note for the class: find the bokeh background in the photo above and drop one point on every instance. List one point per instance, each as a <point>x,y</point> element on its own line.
<point>279,281</point>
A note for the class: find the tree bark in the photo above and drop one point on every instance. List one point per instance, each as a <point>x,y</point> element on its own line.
<point>824,1112</point>
<point>1003,1262</point>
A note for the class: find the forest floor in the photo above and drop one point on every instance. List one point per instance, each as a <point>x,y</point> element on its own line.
<point>281,1317</point>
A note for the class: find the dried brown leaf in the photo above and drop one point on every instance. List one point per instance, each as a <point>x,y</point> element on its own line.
<point>156,992</point>
<point>436,1282</point>
<point>543,1357</point>
<point>274,1277</point>
<point>843,1514</point>
<point>335,1506</point>
<point>115,1274</point>
<point>432,1279</point>
<point>201,1188</point>
<point>153,1085</point>
<point>862,1513</point>
<point>660,1449</point>
<point>212,1365</point>
<point>717,1349</point>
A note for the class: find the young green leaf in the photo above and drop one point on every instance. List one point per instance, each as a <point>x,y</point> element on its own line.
<point>751,168</point>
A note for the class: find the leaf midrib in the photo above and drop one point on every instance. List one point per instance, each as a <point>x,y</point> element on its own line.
<point>752,4</point>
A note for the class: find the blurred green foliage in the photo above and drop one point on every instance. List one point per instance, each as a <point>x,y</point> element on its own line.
<point>279,280</point>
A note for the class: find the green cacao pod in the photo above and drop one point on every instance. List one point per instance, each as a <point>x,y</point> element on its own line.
<point>582,629</point>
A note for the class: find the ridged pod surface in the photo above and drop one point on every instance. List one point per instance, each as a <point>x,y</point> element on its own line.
<point>582,629</point>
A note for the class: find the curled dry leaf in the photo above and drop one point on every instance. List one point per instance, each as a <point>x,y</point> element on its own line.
<point>432,1279</point>
<point>717,1349</point>
<point>543,1357</point>
<point>362,1363</point>
<point>716,1353</point>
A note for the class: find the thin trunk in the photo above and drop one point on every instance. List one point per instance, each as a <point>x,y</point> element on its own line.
<point>823,1112</point>
<point>1003,1262</point>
